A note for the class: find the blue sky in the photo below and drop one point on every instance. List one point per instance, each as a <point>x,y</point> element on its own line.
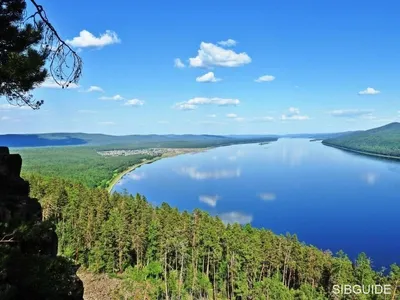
<point>282,67</point>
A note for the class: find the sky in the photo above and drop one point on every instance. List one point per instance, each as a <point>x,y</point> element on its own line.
<point>221,67</point>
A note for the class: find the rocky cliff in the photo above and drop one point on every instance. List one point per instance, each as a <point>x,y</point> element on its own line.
<point>29,266</point>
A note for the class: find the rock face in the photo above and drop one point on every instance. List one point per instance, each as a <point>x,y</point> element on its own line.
<point>28,246</point>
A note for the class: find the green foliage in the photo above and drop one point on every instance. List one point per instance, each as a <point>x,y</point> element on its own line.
<point>21,61</point>
<point>384,140</point>
<point>162,253</point>
<point>80,164</point>
<point>84,165</point>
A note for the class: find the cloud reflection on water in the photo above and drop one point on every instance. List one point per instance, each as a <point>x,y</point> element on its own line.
<point>370,178</point>
<point>193,173</point>
<point>209,200</point>
<point>267,196</point>
<point>136,176</point>
<point>235,217</point>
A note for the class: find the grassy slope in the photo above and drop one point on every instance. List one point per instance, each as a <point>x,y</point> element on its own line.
<point>383,141</point>
<point>83,164</point>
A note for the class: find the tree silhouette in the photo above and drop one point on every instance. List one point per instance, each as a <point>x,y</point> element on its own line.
<point>27,43</point>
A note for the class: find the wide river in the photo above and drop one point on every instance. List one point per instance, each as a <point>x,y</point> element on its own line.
<point>330,198</point>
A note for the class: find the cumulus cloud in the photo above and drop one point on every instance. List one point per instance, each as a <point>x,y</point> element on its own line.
<point>235,217</point>
<point>178,63</point>
<point>369,91</point>
<point>115,98</point>
<point>231,115</point>
<point>263,119</point>
<point>267,196</point>
<point>227,43</point>
<point>87,39</point>
<point>209,200</point>
<point>265,78</point>
<point>350,113</point>
<point>195,102</point>
<point>214,115</point>
<point>107,123</point>
<point>203,175</point>
<point>294,114</point>
<point>94,88</point>
<point>208,77</point>
<point>6,107</point>
<point>49,83</point>
<point>134,102</point>
<point>210,55</point>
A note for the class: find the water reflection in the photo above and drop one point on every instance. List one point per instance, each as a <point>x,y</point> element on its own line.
<point>370,178</point>
<point>209,200</point>
<point>136,176</point>
<point>267,196</point>
<point>193,173</point>
<point>235,217</point>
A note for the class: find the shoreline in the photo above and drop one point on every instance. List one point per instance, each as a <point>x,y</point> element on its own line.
<point>117,178</point>
<point>362,152</point>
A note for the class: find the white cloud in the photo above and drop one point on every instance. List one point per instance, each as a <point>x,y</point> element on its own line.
<point>265,78</point>
<point>195,102</point>
<point>267,196</point>
<point>218,174</point>
<point>178,63</point>
<point>369,91</point>
<point>214,115</point>
<point>134,102</point>
<point>294,114</point>
<point>351,113</point>
<point>5,118</point>
<point>6,107</point>
<point>94,88</point>
<point>210,55</point>
<point>263,119</point>
<point>227,43</point>
<point>49,83</point>
<point>107,123</point>
<point>116,98</point>
<point>87,39</point>
<point>209,200</point>
<point>235,217</point>
<point>208,77</point>
<point>231,115</point>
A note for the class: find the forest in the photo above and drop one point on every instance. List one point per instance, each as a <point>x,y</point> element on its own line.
<point>161,253</point>
<point>383,140</point>
<point>83,164</point>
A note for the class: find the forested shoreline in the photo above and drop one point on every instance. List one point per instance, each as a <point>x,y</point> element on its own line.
<point>161,253</point>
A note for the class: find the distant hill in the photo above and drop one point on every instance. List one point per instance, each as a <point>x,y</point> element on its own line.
<point>384,141</point>
<point>133,141</point>
<point>317,135</point>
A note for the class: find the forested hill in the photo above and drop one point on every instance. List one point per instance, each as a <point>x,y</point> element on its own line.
<point>151,140</point>
<point>161,253</point>
<point>383,141</point>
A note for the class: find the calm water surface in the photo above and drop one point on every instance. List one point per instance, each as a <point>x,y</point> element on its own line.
<point>330,198</point>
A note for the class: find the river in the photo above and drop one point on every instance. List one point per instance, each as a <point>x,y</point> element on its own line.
<point>329,198</point>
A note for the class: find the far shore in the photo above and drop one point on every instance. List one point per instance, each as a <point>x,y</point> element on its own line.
<point>117,178</point>
<point>362,152</point>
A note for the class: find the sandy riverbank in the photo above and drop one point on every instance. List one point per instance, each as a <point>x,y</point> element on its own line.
<point>117,178</point>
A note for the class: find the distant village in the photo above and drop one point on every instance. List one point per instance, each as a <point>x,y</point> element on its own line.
<point>149,151</point>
